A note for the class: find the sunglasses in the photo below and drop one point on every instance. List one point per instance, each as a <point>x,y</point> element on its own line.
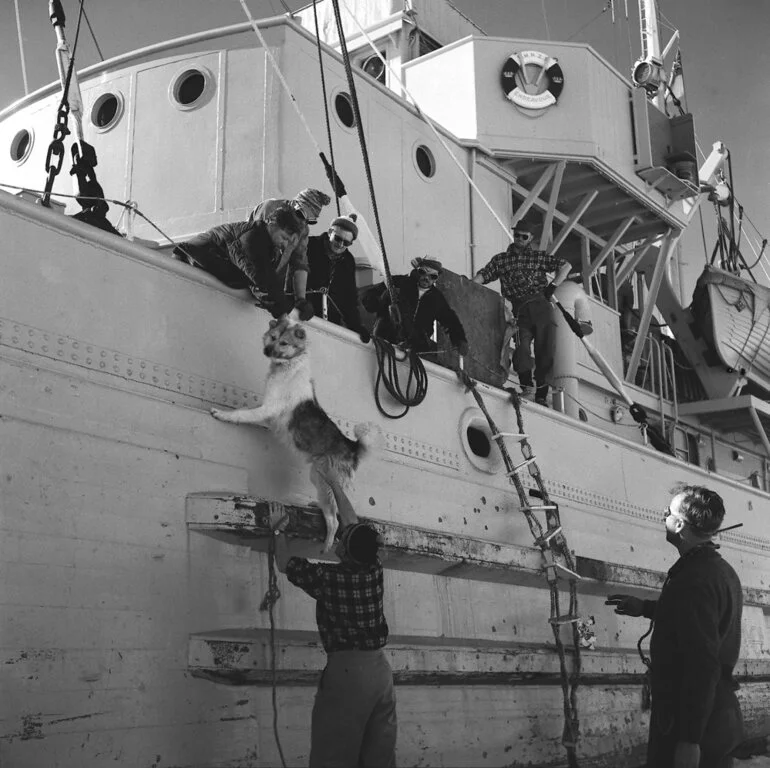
<point>424,273</point>
<point>525,236</point>
<point>341,240</point>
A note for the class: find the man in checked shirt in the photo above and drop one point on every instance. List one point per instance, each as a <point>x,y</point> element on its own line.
<point>523,281</point>
<point>354,715</point>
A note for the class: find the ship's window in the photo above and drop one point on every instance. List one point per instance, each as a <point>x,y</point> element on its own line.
<point>21,146</point>
<point>106,111</point>
<point>476,438</point>
<point>426,163</point>
<point>343,105</point>
<point>478,442</point>
<point>190,87</point>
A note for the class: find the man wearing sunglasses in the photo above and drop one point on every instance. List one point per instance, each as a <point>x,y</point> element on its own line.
<point>422,305</point>
<point>333,273</point>
<point>695,719</point>
<point>524,282</point>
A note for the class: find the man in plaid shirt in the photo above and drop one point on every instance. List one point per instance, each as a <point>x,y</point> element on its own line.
<point>523,281</point>
<point>354,715</point>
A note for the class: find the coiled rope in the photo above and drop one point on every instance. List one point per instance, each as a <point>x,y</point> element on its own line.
<point>388,375</point>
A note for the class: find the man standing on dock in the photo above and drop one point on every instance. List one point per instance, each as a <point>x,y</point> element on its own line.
<point>695,720</point>
<point>354,715</point>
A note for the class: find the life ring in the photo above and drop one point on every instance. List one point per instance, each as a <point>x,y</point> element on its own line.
<point>549,68</point>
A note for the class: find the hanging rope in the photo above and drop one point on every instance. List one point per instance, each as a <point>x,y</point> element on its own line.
<point>337,192</point>
<point>429,123</point>
<point>272,596</point>
<point>387,374</point>
<point>93,36</point>
<point>550,542</point>
<point>364,151</point>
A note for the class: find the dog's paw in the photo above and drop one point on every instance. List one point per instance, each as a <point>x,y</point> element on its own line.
<point>217,414</point>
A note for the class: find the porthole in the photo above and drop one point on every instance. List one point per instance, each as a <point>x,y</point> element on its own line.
<point>107,111</point>
<point>477,442</point>
<point>21,145</point>
<point>425,162</point>
<point>191,88</point>
<point>343,106</point>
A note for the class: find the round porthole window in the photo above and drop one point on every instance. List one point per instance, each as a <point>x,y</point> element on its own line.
<point>343,106</point>
<point>426,163</point>
<point>476,438</point>
<point>106,111</point>
<point>21,146</point>
<point>190,88</point>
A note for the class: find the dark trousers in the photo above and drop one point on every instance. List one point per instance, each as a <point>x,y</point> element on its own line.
<point>354,715</point>
<point>724,731</point>
<point>536,323</point>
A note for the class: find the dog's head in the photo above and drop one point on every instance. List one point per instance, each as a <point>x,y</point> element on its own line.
<point>285,339</point>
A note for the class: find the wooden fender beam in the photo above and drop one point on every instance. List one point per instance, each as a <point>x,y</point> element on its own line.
<point>245,520</point>
<point>242,657</point>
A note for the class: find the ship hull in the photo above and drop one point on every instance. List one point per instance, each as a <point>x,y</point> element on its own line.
<point>111,358</point>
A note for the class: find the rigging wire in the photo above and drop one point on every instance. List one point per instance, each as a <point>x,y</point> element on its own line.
<point>545,19</point>
<point>326,103</point>
<point>607,6</point>
<point>21,49</point>
<point>429,123</point>
<point>93,36</point>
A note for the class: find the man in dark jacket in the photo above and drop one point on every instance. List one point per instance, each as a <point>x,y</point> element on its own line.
<point>252,254</point>
<point>333,275</point>
<point>695,719</point>
<point>421,304</point>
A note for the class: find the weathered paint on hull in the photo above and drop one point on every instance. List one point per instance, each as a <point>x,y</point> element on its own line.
<point>110,360</point>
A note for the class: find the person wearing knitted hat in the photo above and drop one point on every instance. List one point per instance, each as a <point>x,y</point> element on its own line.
<point>421,305</point>
<point>307,206</point>
<point>333,273</point>
<point>524,282</point>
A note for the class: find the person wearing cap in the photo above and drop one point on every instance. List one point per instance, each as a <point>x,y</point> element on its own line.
<point>695,720</point>
<point>333,273</point>
<point>307,206</point>
<point>421,305</point>
<point>354,715</point>
<point>251,254</point>
<point>522,272</point>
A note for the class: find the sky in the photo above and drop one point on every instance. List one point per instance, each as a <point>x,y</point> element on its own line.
<point>723,43</point>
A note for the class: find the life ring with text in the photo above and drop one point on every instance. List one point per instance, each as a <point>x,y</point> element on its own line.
<point>515,72</point>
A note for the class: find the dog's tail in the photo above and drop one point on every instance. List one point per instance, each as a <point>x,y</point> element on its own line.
<point>369,437</point>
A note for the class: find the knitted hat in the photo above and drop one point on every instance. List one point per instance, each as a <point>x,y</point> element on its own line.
<point>524,226</point>
<point>310,202</point>
<point>348,223</point>
<point>425,262</point>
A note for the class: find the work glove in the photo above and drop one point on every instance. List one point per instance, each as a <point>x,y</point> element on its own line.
<point>548,291</point>
<point>462,348</point>
<point>334,179</point>
<point>364,335</point>
<point>304,308</point>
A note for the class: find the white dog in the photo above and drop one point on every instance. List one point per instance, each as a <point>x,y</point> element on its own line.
<point>291,411</point>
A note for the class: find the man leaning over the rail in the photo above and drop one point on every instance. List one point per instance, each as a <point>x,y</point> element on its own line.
<point>523,281</point>
<point>354,714</point>
<point>695,719</point>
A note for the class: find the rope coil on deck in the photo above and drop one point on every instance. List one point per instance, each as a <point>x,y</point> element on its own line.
<point>551,541</point>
